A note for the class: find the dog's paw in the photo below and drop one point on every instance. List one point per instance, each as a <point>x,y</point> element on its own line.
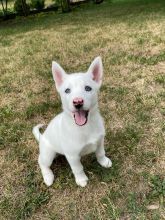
<point>81,183</point>
<point>82,180</point>
<point>49,178</point>
<point>105,162</point>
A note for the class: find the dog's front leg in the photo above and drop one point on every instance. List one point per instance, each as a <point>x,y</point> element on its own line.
<point>77,169</point>
<point>100,155</point>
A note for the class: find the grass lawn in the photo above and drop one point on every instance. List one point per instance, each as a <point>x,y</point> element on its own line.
<point>130,37</point>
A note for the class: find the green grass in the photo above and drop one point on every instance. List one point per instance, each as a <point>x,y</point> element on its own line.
<point>130,37</point>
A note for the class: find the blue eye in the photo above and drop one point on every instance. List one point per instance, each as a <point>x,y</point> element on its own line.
<point>88,88</point>
<point>67,90</point>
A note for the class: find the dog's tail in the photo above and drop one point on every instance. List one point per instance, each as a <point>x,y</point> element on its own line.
<point>36,131</point>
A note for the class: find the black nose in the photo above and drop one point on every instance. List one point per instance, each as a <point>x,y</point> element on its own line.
<point>78,106</point>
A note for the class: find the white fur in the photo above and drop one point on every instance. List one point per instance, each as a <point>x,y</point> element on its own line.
<point>63,135</point>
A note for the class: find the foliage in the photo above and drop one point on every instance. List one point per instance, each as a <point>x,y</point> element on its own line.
<point>57,3</point>
<point>65,5</point>
<point>21,7</point>
<point>4,4</point>
<point>38,4</point>
<point>98,1</point>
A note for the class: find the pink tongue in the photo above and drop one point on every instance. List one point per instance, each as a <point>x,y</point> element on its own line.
<point>80,117</point>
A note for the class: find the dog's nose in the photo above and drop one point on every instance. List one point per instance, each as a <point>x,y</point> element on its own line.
<point>78,102</point>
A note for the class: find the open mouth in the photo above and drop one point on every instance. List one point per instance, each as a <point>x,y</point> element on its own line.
<point>81,117</point>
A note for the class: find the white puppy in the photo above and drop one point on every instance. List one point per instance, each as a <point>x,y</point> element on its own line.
<point>79,129</point>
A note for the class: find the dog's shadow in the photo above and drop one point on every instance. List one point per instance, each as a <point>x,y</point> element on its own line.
<point>92,168</point>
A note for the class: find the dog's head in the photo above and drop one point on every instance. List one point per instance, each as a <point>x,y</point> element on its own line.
<point>78,91</point>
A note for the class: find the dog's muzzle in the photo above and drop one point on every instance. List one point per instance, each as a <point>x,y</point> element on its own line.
<point>81,117</point>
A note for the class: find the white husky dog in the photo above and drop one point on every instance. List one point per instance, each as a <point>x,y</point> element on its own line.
<point>79,129</point>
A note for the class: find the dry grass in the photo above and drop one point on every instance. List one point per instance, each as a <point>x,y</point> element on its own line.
<point>130,37</point>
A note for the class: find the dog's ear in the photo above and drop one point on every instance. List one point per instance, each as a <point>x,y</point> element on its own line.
<point>96,70</point>
<point>59,74</point>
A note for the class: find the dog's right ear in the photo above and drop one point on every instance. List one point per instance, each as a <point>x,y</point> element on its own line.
<point>59,74</point>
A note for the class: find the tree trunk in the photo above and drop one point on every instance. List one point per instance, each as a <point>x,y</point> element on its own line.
<point>3,8</point>
<point>65,5</point>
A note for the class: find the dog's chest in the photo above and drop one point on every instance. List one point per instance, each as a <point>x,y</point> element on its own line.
<point>91,139</point>
<point>90,146</point>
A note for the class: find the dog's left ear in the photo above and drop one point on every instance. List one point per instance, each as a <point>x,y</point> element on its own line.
<point>96,70</point>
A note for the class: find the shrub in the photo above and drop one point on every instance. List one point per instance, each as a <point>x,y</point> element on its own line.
<point>21,7</point>
<point>57,3</point>
<point>98,1</point>
<point>65,4</point>
<point>38,4</point>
